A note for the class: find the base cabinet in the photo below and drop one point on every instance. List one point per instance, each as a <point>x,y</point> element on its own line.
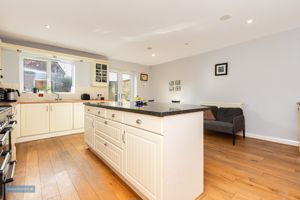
<point>78,118</point>
<point>34,119</point>
<point>61,116</point>
<point>142,161</point>
<point>89,129</point>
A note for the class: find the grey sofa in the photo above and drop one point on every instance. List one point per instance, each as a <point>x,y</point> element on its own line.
<point>228,120</point>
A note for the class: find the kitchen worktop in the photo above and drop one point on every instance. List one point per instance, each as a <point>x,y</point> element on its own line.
<point>30,101</point>
<point>153,108</point>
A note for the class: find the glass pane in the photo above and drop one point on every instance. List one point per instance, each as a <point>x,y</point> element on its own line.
<point>113,86</point>
<point>126,88</point>
<point>35,74</point>
<point>61,76</point>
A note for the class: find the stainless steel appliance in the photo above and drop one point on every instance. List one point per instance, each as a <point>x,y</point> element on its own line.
<point>2,94</point>
<point>7,166</point>
<point>12,94</point>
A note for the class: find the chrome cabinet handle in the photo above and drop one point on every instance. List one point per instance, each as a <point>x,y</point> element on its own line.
<point>138,121</point>
<point>93,125</point>
<point>47,108</point>
<point>123,137</point>
<point>51,108</point>
<point>113,115</point>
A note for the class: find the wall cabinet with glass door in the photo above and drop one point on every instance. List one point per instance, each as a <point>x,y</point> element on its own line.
<point>100,74</point>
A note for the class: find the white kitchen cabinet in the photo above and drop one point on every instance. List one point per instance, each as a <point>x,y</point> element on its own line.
<point>78,115</point>
<point>34,119</point>
<point>100,74</point>
<point>61,116</point>
<point>89,130</point>
<point>142,161</point>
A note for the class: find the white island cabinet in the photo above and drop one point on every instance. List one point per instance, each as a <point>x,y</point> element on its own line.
<point>157,150</point>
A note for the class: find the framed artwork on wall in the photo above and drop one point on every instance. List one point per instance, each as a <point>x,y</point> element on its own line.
<point>144,77</point>
<point>221,69</point>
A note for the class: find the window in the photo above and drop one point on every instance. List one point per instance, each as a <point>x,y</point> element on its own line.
<point>47,75</point>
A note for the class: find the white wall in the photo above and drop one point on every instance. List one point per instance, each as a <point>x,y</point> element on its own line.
<point>263,74</point>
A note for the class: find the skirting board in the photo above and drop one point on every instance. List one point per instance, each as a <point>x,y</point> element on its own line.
<point>47,135</point>
<point>271,139</point>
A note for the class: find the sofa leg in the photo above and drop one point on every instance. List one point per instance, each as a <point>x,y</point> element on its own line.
<point>233,138</point>
<point>244,134</point>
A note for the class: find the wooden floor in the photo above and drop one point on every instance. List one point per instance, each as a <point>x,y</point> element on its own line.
<point>62,168</point>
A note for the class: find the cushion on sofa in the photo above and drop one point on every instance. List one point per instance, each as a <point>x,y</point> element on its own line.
<point>227,114</point>
<point>208,115</point>
<point>218,126</point>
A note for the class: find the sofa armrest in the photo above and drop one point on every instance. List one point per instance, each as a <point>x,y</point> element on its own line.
<point>238,123</point>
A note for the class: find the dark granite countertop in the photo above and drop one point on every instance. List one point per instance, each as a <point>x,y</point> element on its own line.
<point>153,108</point>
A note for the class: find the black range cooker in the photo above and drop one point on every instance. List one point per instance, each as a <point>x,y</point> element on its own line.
<point>7,166</point>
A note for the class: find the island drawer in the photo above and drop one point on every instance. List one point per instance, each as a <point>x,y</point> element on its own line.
<point>114,115</point>
<point>110,153</point>
<point>146,122</point>
<point>109,130</point>
<point>100,112</point>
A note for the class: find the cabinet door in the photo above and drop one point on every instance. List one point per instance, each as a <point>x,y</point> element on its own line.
<point>34,119</point>
<point>100,74</point>
<point>61,116</point>
<point>78,121</point>
<point>89,129</point>
<point>142,161</point>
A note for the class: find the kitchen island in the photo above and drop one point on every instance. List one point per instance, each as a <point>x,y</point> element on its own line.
<point>156,149</point>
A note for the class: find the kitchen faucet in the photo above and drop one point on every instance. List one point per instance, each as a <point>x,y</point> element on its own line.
<point>58,98</point>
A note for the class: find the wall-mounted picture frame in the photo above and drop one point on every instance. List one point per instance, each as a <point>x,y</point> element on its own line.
<point>177,82</point>
<point>178,88</point>
<point>144,77</point>
<point>221,69</point>
<point>171,83</point>
<point>171,88</point>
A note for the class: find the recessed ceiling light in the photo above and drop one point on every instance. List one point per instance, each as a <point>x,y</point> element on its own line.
<point>250,21</point>
<point>186,43</point>
<point>153,55</point>
<point>225,17</point>
<point>149,48</point>
<point>47,26</point>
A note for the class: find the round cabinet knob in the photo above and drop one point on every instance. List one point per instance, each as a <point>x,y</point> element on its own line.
<point>113,115</point>
<point>138,121</point>
<point>98,112</point>
<point>105,144</point>
<point>89,110</point>
<point>105,122</point>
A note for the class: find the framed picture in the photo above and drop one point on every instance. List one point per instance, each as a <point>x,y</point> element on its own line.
<point>171,88</point>
<point>178,88</point>
<point>177,82</point>
<point>171,83</point>
<point>144,77</point>
<point>221,69</point>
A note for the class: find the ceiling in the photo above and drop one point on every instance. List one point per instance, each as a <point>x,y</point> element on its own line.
<point>124,29</point>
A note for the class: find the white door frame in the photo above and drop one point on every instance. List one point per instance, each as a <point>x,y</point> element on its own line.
<point>119,84</point>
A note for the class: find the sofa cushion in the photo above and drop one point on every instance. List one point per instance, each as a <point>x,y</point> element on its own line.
<point>208,115</point>
<point>214,110</point>
<point>218,126</point>
<point>227,114</point>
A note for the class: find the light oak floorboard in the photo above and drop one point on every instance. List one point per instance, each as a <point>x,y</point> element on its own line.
<point>62,168</point>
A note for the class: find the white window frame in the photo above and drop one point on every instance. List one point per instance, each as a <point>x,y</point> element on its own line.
<point>48,60</point>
